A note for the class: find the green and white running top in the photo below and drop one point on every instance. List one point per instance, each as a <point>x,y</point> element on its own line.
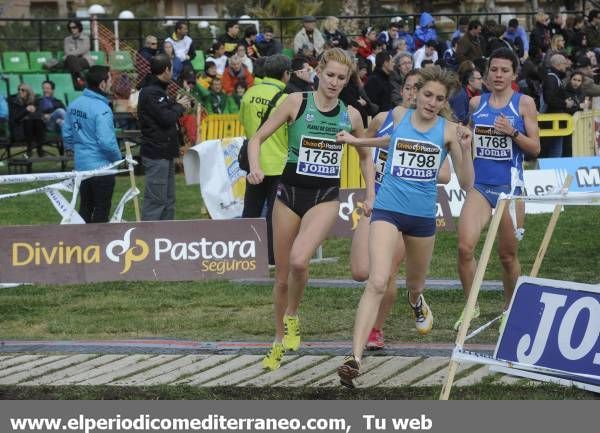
<point>314,156</point>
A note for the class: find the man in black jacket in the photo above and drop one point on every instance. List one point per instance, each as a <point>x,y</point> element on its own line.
<point>555,101</point>
<point>378,85</point>
<point>300,79</point>
<point>158,114</point>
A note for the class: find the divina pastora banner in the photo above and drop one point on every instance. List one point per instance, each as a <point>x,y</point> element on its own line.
<point>161,251</point>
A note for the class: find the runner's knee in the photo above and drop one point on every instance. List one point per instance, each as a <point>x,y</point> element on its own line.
<point>377,284</point>
<point>298,265</point>
<point>465,251</point>
<point>359,274</point>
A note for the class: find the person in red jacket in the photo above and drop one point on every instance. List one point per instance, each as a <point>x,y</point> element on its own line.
<point>235,73</point>
<point>365,42</point>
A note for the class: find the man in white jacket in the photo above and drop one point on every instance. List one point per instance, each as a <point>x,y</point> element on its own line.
<point>309,38</point>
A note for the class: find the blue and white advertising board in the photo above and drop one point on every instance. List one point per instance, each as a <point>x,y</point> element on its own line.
<point>585,171</point>
<point>553,331</point>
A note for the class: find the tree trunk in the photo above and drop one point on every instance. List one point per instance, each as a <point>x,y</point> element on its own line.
<point>352,8</point>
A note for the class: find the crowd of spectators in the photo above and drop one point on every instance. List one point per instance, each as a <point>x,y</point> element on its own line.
<point>556,48</point>
<point>558,68</point>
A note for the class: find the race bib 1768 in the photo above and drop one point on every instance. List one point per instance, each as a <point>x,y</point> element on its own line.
<point>491,144</point>
<point>319,157</point>
<point>416,160</point>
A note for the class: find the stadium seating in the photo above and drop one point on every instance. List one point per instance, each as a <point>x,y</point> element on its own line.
<point>10,84</point>
<point>288,52</point>
<point>37,59</point>
<point>15,61</point>
<point>64,84</point>
<point>99,57</point>
<point>71,96</point>
<point>121,61</point>
<point>35,81</point>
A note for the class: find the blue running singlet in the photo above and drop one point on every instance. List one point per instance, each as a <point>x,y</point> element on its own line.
<point>410,182</point>
<point>495,154</point>
<point>380,155</point>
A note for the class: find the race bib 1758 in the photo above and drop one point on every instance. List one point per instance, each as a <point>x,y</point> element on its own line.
<point>319,157</point>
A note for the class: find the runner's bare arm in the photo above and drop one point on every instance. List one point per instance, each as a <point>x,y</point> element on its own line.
<point>445,173</point>
<point>346,137</point>
<point>366,160</point>
<point>530,141</point>
<point>458,139</point>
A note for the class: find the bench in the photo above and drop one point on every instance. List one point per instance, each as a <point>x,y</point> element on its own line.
<point>20,165</point>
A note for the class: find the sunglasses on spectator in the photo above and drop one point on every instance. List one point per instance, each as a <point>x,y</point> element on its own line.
<point>22,90</point>
<point>72,27</point>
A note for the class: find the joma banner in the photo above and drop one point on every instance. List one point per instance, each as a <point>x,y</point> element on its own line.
<point>553,329</point>
<point>162,251</point>
<point>351,210</point>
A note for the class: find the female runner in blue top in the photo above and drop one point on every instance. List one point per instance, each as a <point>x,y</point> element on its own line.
<point>405,204</point>
<point>504,129</point>
<point>381,125</point>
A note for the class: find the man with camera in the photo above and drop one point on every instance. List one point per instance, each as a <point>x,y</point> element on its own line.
<point>158,114</point>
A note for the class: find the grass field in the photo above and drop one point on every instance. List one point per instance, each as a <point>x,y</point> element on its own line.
<point>222,310</point>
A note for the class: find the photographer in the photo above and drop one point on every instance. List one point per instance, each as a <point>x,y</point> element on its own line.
<point>159,115</point>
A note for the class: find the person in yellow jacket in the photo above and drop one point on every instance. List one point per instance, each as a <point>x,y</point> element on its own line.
<point>273,152</point>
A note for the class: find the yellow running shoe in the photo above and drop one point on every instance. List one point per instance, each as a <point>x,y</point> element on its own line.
<point>291,339</point>
<point>476,314</point>
<point>272,360</point>
<point>422,314</point>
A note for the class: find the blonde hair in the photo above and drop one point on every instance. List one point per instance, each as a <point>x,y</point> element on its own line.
<point>30,98</point>
<point>446,78</point>
<point>554,41</point>
<point>335,55</point>
<point>331,24</point>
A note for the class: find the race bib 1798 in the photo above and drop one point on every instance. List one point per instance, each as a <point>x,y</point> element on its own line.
<point>415,160</point>
<point>319,157</point>
<point>491,144</point>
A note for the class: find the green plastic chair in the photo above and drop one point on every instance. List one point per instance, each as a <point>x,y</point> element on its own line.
<point>198,62</point>
<point>35,81</point>
<point>121,61</point>
<point>63,83</point>
<point>99,57</point>
<point>59,55</point>
<point>288,52</point>
<point>71,96</point>
<point>13,85</point>
<point>37,59</point>
<point>15,61</point>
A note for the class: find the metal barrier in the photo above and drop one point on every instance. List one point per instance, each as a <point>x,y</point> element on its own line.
<point>581,125</point>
